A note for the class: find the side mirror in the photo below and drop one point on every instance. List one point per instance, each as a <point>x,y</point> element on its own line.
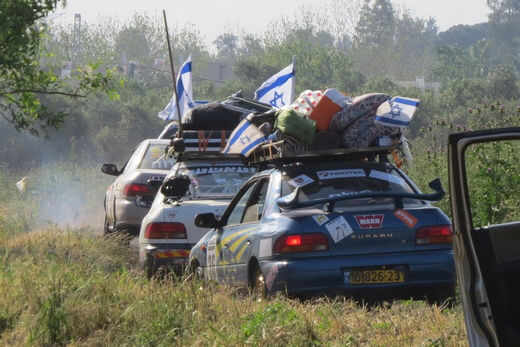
<point>154,184</point>
<point>176,187</point>
<point>207,220</point>
<point>110,169</point>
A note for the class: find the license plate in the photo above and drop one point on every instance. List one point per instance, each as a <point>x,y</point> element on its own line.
<point>376,276</point>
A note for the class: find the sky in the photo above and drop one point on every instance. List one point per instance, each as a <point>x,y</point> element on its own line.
<point>212,17</point>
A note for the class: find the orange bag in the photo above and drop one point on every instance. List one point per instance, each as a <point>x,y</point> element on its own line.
<point>329,104</point>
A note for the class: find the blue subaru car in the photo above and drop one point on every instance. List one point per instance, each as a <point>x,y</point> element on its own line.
<point>331,224</point>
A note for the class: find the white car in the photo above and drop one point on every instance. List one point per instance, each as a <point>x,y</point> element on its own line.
<point>168,231</point>
<point>129,197</point>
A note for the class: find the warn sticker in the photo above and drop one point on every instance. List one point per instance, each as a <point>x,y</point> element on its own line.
<point>370,221</point>
<point>406,218</point>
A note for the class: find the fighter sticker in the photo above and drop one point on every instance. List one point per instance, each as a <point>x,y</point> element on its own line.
<point>339,229</point>
<point>300,181</point>
<point>271,276</point>
<point>380,175</point>
<point>320,219</point>
<point>370,221</point>
<point>406,218</point>
<point>266,248</point>
<point>346,173</point>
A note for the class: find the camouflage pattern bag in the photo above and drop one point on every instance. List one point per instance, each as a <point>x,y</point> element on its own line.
<point>360,106</point>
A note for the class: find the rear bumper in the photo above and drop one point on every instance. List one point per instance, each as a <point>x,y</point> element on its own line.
<point>129,215</point>
<point>424,274</point>
<point>172,256</point>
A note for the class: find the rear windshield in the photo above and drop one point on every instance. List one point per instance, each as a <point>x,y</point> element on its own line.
<point>215,181</point>
<point>154,158</point>
<point>331,180</point>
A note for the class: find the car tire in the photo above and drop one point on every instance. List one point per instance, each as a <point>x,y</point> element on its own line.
<point>258,286</point>
<point>106,227</point>
<point>195,270</point>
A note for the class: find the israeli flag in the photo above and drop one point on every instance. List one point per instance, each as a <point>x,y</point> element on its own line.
<point>184,90</point>
<point>397,112</point>
<point>244,139</point>
<point>278,90</point>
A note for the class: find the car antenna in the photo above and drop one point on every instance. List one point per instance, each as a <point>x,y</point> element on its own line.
<point>173,73</point>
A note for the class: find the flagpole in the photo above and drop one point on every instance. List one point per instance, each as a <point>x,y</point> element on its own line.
<point>173,73</point>
<point>294,78</point>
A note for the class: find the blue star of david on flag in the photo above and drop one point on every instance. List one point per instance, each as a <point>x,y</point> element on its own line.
<point>396,112</point>
<point>278,90</point>
<point>277,97</point>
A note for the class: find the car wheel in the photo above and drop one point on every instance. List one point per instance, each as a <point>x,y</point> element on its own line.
<point>195,270</point>
<point>258,287</point>
<point>106,228</point>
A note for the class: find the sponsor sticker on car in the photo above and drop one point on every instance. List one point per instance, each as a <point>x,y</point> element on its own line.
<point>339,229</point>
<point>370,221</point>
<point>345,173</point>
<point>406,218</point>
<point>320,219</point>
<point>300,181</point>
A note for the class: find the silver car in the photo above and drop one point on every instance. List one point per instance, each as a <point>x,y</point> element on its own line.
<point>130,196</point>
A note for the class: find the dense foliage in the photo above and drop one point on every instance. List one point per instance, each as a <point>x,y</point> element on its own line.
<point>26,79</point>
<point>346,45</point>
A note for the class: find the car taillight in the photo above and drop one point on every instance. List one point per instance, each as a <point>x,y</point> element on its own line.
<point>434,234</point>
<point>165,231</point>
<point>134,189</point>
<point>301,243</point>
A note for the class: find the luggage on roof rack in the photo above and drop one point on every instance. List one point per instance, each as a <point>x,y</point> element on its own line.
<point>273,153</point>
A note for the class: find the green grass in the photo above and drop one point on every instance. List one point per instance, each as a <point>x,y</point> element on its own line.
<point>72,287</point>
<point>66,285</point>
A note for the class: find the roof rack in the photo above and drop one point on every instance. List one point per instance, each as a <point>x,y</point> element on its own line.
<point>273,153</point>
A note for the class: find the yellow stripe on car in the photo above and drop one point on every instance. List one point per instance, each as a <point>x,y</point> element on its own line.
<point>237,243</point>
<point>232,236</point>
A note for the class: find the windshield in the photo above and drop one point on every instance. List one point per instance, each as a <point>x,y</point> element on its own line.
<point>154,158</point>
<point>215,181</point>
<point>339,179</point>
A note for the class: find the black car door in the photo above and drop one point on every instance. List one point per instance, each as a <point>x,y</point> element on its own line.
<point>484,173</point>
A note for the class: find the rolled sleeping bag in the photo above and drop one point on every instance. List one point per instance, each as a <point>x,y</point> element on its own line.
<point>359,107</point>
<point>291,144</point>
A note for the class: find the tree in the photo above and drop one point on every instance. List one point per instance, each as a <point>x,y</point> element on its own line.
<point>376,24</point>
<point>227,44</point>
<point>24,79</point>
<point>504,31</point>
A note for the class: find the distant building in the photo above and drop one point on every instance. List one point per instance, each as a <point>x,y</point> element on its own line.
<point>421,84</point>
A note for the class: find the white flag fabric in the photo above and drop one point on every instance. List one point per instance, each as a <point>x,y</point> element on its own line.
<point>184,89</point>
<point>397,112</point>
<point>278,90</point>
<point>244,139</point>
